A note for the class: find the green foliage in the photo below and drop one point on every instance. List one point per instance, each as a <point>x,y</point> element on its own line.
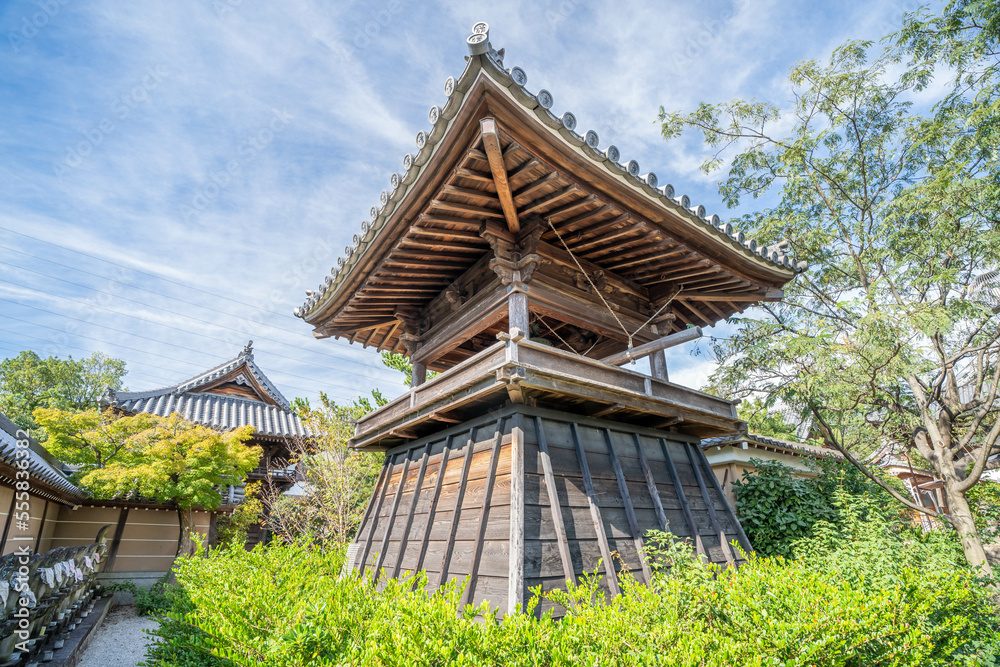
<point>984,498</point>
<point>28,382</point>
<point>895,209</point>
<point>777,506</point>
<point>338,480</point>
<point>235,527</point>
<point>762,421</point>
<point>176,643</point>
<point>168,459</point>
<point>148,601</point>
<point>294,607</point>
<point>401,363</point>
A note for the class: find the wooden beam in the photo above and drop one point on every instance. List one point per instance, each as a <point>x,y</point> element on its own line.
<point>494,155</point>
<point>433,506</point>
<point>710,504</point>
<point>682,498</point>
<point>633,523</point>
<point>740,535</point>
<point>405,535</point>
<point>769,295</point>
<point>595,512</point>
<point>654,346</point>
<point>484,513</point>
<point>554,505</point>
<point>654,493</point>
<point>466,462</point>
<point>515,549</point>
<point>377,569</point>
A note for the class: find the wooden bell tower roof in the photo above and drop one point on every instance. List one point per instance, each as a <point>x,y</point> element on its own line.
<point>498,163</point>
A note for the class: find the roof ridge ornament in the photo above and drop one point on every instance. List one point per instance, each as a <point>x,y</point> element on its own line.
<point>247,352</point>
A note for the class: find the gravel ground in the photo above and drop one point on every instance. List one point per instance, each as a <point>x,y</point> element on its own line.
<point>120,641</point>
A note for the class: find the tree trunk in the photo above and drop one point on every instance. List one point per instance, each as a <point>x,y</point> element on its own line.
<point>965,525</point>
<point>185,545</point>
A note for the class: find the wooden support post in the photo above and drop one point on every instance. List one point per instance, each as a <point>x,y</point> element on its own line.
<point>375,510</point>
<point>710,504</point>
<point>658,366</point>
<point>467,461</point>
<point>494,155</point>
<point>633,523</point>
<point>515,550</point>
<point>654,493</point>
<point>116,540</point>
<point>484,513</point>
<point>682,498</point>
<point>442,467</point>
<point>405,535</point>
<point>419,375</point>
<point>740,535</point>
<point>595,512</point>
<point>554,504</point>
<point>517,312</point>
<point>397,496</point>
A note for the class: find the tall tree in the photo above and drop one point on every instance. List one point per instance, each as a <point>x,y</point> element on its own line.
<point>167,459</point>
<point>28,382</point>
<point>885,336</point>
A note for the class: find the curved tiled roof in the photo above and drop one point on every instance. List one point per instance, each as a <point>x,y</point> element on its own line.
<point>763,441</point>
<point>221,411</point>
<point>41,465</point>
<point>218,411</point>
<point>484,60</point>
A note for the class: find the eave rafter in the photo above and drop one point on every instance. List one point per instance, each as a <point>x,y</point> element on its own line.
<point>494,155</point>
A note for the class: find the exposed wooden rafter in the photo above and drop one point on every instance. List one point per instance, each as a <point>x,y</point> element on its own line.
<point>494,155</point>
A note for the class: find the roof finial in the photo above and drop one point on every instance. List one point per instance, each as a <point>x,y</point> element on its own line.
<point>247,350</point>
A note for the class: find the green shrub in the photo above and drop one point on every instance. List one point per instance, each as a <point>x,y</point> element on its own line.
<point>148,601</point>
<point>777,507</point>
<point>290,604</point>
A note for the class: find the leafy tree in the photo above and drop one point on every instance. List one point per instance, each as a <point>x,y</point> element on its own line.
<point>400,363</point>
<point>762,421</point>
<point>167,459</point>
<point>28,382</point>
<point>885,337</point>
<point>337,482</point>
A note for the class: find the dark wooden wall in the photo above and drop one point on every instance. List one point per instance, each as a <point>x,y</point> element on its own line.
<point>610,483</point>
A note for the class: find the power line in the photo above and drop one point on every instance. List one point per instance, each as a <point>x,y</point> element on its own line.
<point>161,342</point>
<point>130,372</point>
<point>338,343</point>
<point>145,352</point>
<point>182,315</point>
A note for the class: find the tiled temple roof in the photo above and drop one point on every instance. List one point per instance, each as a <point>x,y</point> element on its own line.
<point>42,466</point>
<point>217,410</point>
<point>484,60</point>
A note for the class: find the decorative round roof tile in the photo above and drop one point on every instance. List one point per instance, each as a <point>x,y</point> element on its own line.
<point>633,168</point>
<point>569,121</point>
<point>434,114</point>
<point>421,139</point>
<point>592,139</point>
<point>407,161</point>
<point>481,28</point>
<point>518,76</point>
<point>668,190</point>
<point>348,250</point>
<point>716,221</point>
<point>449,86</point>
<point>699,211</point>
<point>544,99</point>
<point>365,226</point>
<point>394,181</point>
<point>373,211</point>
<point>356,239</point>
<point>612,153</point>
<point>685,201</point>
<point>384,198</point>
<point>651,179</point>
<point>478,44</point>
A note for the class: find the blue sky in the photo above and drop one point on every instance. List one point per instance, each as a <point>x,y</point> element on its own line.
<point>121,230</point>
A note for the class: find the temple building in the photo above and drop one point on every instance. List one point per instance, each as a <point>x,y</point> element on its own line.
<point>530,267</point>
<point>233,394</point>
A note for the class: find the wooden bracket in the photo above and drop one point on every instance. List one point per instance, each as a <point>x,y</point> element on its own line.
<point>494,155</point>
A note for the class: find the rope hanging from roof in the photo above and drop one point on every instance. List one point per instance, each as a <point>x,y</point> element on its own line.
<point>605,302</point>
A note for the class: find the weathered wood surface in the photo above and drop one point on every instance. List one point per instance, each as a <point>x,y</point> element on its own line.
<point>530,496</point>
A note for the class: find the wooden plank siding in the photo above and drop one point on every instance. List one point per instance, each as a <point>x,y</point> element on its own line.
<point>587,492</point>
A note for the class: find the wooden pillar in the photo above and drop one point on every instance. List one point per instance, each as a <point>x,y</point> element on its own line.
<point>517,311</point>
<point>658,365</point>
<point>419,375</point>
